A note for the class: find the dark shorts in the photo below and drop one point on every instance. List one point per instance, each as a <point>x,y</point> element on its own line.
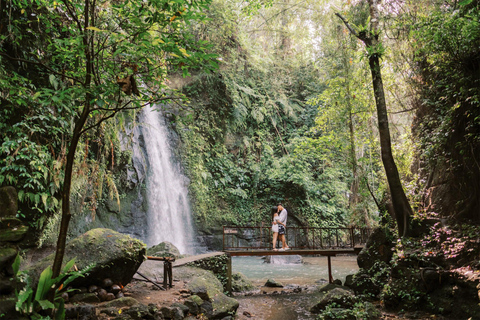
<point>281,229</point>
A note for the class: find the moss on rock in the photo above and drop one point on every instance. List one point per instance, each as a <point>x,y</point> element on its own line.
<point>111,254</point>
<point>13,235</point>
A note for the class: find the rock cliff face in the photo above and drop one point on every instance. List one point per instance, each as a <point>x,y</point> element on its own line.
<point>130,215</point>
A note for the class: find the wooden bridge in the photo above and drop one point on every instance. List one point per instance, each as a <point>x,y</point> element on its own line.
<point>257,241</point>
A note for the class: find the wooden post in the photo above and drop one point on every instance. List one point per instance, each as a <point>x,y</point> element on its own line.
<point>170,274</point>
<point>352,233</point>
<point>165,274</point>
<point>229,274</point>
<point>330,277</point>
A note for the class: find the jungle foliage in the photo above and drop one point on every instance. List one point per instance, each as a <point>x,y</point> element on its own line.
<point>62,62</point>
<point>447,66</point>
<point>286,116</point>
<point>272,125</point>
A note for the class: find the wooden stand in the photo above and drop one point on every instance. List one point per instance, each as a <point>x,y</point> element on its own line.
<point>167,270</point>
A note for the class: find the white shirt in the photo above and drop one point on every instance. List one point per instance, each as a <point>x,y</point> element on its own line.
<point>283,216</point>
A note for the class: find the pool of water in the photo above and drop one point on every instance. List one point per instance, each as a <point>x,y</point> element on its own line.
<point>267,306</point>
<point>312,270</point>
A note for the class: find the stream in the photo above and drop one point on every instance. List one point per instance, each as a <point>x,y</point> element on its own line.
<point>266,304</point>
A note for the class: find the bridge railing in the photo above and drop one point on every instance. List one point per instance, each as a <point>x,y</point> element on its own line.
<point>242,238</point>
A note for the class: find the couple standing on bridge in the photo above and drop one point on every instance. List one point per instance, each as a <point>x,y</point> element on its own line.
<point>278,226</point>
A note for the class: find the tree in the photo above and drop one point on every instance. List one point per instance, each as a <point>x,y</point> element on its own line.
<point>374,47</point>
<point>101,58</point>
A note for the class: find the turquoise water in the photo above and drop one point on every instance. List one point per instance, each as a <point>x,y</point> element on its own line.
<point>286,306</point>
<point>313,269</point>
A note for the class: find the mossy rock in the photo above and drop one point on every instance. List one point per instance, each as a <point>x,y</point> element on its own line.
<point>111,254</point>
<point>13,235</point>
<point>10,223</point>
<point>85,298</point>
<point>205,286</point>
<point>338,296</point>
<point>271,283</point>
<point>164,249</point>
<point>240,283</point>
<point>378,248</point>
<point>7,256</point>
<point>209,288</point>
<point>193,304</point>
<point>223,306</point>
<point>121,302</point>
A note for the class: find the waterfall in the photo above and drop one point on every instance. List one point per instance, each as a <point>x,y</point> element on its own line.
<point>169,216</point>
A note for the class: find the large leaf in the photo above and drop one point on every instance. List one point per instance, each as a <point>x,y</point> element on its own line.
<point>45,304</point>
<point>69,265</point>
<point>44,284</point>
<point>16,265</point>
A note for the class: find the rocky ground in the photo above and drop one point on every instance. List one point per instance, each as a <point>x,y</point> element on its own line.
<point>253,305</point>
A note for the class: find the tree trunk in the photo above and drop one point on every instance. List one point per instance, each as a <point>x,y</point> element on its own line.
<point>72,148</point>
<point>401,206</point>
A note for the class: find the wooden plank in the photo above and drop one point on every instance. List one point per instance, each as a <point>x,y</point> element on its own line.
<point>161,258</point>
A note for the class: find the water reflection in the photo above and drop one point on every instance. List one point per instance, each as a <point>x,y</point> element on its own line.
<point>313,269</point>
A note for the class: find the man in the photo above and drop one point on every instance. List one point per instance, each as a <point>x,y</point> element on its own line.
<point>282,221</point>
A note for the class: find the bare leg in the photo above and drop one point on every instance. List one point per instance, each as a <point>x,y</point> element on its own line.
<point>284,242</point>
<point>282,238</point>
<point>275,235</point>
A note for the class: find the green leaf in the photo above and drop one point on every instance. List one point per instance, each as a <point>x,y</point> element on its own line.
<point>60,310</point>
<point>94,29</point>
<point>44,283</point>
<point>68,265</point>
<point>465,2</point>
<point>24,299</point>
<point>45,304</point>
<point>16,265</point>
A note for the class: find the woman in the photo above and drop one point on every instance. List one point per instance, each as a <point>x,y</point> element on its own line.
<point>275,227</point>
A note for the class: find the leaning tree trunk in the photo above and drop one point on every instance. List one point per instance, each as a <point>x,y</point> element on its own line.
<point>401,206</point>
<point>77,132</point>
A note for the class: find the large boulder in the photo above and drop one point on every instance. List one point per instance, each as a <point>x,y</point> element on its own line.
<point>111,254</point>
<point>341,297</point>
<point>378,248</point>
<point>216,304</point>
<point>8,202</point>
<point>164,249</point>
<point>12,230</point>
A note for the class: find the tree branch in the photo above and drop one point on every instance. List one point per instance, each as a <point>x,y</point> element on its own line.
<point>123,108</point>
<point>74,17</point>
<point>345,21</point>
<point>41,65</point>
